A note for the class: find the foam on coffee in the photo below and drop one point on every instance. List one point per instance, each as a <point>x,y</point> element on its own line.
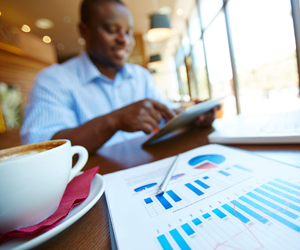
<point>27,150</point>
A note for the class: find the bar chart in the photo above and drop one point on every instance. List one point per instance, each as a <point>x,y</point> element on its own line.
<point>207,185</point>
<point>193,190</point>
<point>159,204</point>
<point>272,207</point>
<point>220,199</point>
<point>175,177</point>
<point>144,187</point>
<point>235,173</point>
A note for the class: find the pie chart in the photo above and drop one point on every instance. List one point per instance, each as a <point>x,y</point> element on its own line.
<point>206,161</point>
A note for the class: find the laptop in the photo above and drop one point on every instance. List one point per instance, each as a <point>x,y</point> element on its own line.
<point>281,128</point>
<point>184,118</point>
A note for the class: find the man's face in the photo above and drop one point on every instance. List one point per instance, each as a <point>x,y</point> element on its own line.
<point>109,34</point>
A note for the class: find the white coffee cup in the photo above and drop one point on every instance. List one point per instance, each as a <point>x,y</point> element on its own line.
<point>33,179</point>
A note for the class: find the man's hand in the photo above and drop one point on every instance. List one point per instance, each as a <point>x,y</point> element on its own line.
<point>206,119</point>
<point>143,115</point>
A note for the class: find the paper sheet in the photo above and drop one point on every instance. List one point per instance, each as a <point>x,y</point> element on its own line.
<point>218,198</point>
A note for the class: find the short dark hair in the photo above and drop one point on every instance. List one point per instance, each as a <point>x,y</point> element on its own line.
<point>88,5</point>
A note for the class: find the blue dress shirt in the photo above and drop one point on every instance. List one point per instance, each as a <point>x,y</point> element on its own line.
<point>70,94</point>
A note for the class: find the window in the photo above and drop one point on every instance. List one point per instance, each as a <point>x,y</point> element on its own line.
<point>186,45</point>
<point>200,71</point>
<point>194,26</point>
<point>219,64</point>
<point>264,46</point>
<point>209,9</point>
<point>166,78</point>
<point>199,87</point>
<point>191,77</point>
<point>182,75</point>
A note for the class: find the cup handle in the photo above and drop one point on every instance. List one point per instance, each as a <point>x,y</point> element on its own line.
<point>82,159</point>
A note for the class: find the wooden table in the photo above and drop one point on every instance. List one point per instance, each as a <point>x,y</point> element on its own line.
<point>10,138</point>
<point>92,230</point>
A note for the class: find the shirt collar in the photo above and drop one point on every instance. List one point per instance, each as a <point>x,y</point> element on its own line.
<point>127,71</point>
<point>89,71</point>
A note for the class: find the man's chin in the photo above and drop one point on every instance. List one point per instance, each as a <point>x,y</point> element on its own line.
<point>109,61</point>
<point>119,63</point>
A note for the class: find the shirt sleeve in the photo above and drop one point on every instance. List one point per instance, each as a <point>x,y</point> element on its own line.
<point>50,108</point>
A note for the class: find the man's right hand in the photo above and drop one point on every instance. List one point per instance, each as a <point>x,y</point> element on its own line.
<point>141,116</point>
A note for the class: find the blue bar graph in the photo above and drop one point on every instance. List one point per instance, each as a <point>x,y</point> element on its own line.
<point>202,184</point>
<point>250,212</point>
<point>163,201</point>
<point>164,242</point>
<point>174,196</point>
<point>275,198</point>
<point>243,168</point>
<point>271,214</point>
<point>235,213</point>
<point>206,216</point>
<point>145,187</point>
<point>205,177</point>
<point>219,213</point>
<point>179,240</point>
<point>287,183</point>
<point>187,228</point>
<point>275,191</point>
<point>273,205</point>
<point>196,221</point>
<point>194,189</point>
<point>148,200</point>
<point>224,173</point>
<point>283,188</point>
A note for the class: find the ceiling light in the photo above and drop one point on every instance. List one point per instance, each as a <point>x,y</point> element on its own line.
<point>67,19</point>
<point>0,13</point>
<point>46,39</point>
<point>44,24</point>
<point>155,58</point>
<point>81,41</point>
<point>25,28</point>
<point>160,28</point>
<point>60,46</point>
<point>179,12</point>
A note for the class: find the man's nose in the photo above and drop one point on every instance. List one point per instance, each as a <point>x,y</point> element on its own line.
<point>123,38</point>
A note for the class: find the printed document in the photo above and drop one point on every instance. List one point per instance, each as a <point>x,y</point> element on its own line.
<point>218,198</point>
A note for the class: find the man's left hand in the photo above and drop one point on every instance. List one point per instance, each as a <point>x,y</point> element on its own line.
<point>206,119</point>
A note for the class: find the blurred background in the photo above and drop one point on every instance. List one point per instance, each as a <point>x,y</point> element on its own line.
<point>244,49</point>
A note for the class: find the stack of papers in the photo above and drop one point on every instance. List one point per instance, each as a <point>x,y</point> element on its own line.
<point>218,198</point>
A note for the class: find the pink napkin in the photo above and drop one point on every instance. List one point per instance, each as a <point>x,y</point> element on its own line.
<point>76,192</point>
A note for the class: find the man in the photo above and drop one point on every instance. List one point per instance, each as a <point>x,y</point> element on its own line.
<point>97,98</point>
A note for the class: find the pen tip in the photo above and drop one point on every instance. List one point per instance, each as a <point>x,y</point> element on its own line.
<point>160,193</point>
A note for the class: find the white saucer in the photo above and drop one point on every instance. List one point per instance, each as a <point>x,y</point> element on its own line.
<point>96,191</point>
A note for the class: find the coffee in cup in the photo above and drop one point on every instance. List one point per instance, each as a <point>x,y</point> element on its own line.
<point>33,179</point>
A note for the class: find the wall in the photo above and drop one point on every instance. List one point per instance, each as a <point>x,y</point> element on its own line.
<point>22,56</point>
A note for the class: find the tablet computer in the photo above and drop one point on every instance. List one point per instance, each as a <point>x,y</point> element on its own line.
<point>184,118</point>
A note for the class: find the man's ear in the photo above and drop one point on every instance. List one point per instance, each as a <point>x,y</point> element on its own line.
<point>83,29</point>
